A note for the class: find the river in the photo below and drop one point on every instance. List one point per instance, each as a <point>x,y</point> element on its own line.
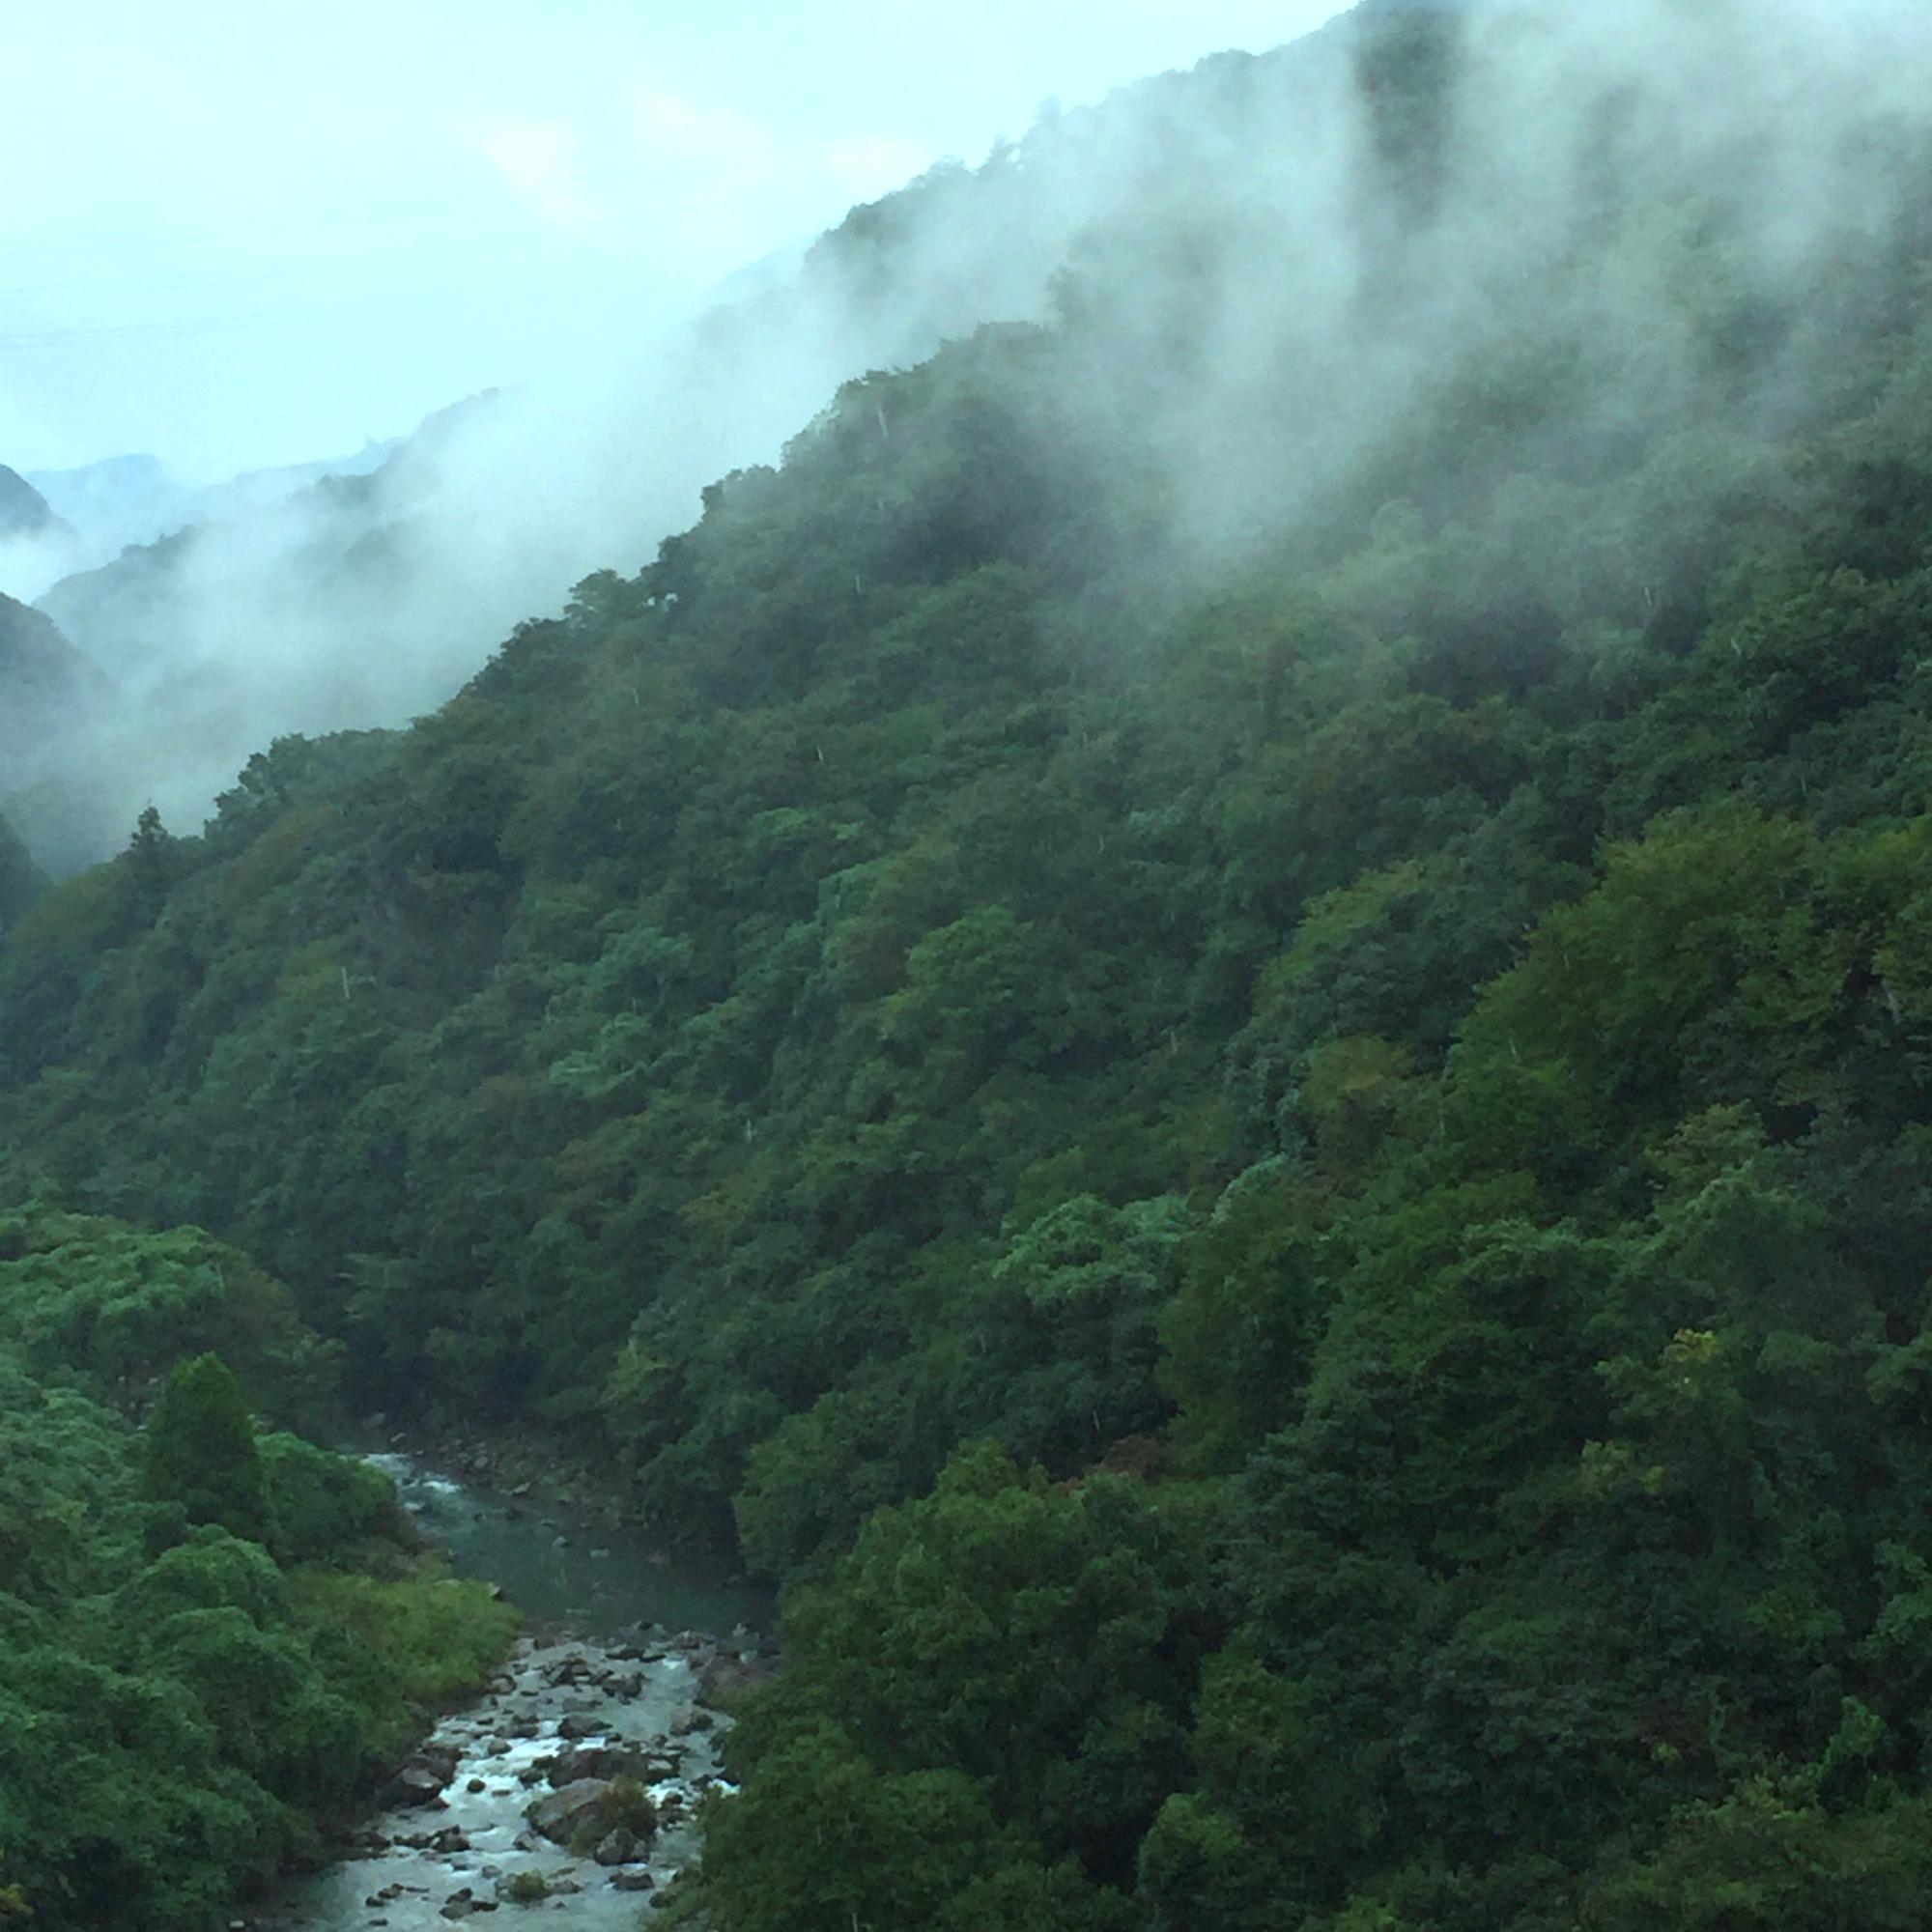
<point>615,1677</point>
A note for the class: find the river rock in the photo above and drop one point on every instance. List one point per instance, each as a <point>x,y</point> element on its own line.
<point>524,1887</point>
<point>556,1817</point>
<point>417,1784</point>
<point>631,1878</point>
<point>726,1675</point>
<point>582,1761</point>
<point>617,1848</point>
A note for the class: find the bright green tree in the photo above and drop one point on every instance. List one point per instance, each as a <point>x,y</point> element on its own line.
<point>200,1452</point>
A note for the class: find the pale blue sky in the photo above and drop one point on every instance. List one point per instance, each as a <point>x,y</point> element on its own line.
<point>239,231</point>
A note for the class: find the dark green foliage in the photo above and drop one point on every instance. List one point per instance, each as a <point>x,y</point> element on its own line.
<point>1262,1121</point>
<point>199,1450</point>
<point>22,881</point>
<point>1002,1671</point>
<point>52,702</point>
<point>321,1507</point>
<point>119,1305</point>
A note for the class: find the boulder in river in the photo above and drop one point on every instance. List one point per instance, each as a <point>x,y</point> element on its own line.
<point>729,1674</point>
<point>604,1760</point>
<point>617,1848</point>
<point>559,1816</point>
<point>524,1888</point>
<point>417,1783</point>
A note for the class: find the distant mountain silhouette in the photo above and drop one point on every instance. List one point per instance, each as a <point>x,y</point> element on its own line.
<point>54,706</point>
<point>23,511</point>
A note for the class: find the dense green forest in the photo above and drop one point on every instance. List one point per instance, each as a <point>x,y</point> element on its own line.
<point>1237,1069</point>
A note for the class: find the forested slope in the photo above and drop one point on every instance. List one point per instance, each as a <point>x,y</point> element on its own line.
<point>23,510</point>
<point>210,1639</point>
<point>22,881</point>
<point>55,708</point>
<point>1219,1021</point>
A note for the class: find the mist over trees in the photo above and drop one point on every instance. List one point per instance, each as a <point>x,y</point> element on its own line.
<point>1215,1019</point>
<point>1320,305</point>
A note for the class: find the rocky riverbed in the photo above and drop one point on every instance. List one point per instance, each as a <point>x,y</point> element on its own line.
<point>572,1785</point>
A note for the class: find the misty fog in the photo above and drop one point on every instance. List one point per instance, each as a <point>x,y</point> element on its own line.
<point>1271,370</point>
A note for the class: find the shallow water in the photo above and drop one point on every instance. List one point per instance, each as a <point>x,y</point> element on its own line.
<point>562,1566</point>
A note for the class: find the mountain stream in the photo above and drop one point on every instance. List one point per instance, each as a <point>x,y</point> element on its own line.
<point>507,1807</point>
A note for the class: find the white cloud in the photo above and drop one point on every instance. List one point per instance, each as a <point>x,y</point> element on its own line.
<point>398,198</point>
<point>542,164</point>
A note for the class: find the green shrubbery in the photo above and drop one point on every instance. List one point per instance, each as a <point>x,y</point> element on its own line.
<point>177,1707</point>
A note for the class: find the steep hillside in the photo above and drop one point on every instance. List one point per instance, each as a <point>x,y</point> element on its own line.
<point>365,600</point>
<point>23,510</point>
<point>22,881</point>
<point>118,500</point>
<point>271,543</point>
<point>57,714</point>
<point>44,677</point>
<point>35,545</point>
<point>1218,1020</point>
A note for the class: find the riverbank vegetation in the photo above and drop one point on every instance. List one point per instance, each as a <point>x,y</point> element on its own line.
<point>1282,1170</point>
<point>212,1637</point>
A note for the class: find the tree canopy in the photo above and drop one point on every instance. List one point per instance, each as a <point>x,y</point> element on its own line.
<point>1261,1122</point>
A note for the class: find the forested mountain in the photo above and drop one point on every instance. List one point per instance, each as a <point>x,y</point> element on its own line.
<point>23,510</point>
<point>55,708</point>
<point>275,543</point>
<point>118,500</point>
<point>45,679</point>
<point>1218,1020</point>
<point>375,585</point>
<point>21,880</point>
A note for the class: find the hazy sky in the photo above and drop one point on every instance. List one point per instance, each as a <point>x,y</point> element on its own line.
<point>239,231</point>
